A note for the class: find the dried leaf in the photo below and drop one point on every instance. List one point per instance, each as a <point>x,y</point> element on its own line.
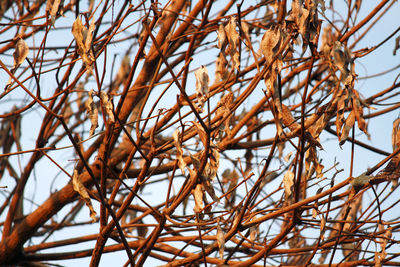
<point>108,105</point>
<point>341,58</point>
<point>347,127</point>
<point>198,198</point>
<point>311,157</point>
<point>222,40</point>
<point>20,53</point>
<point>288,120</point>
<point>213,164</point>
<point>300,16</point>
<point>231,33</point>
<point>220,241</point>
<point>270,43</point>
<point>83,38</point>
<point>201,132</point>
<point>92,112</point>
<point>236,60</point>
<point>179,151</point>
<point>233,39</point>
<point>221,72</point>
<point>52,7</point>
<point>246,31</point>
<point>80,188</point>
<point>202,80</point>
<point>232,178</point>
<point>396,134</point>
<point>358,112</point>
<point>288,182</point>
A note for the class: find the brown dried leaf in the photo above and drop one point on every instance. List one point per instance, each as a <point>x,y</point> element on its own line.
<point>220,241</point>
<point>341,58</point>
<point>179,151</point>
<point>358,112</point>
<point>347,127</point>
<point>221,71</point>
<point>288,120</point>
<point>246,31</point>
<point>288,182</point>
<point>202,80</point>
<point>198,198</point>
<point>201,132</point>
<point>300,16</point>
<point>83,38</point>
<point>221,37</point>
<point>108,106</point>
<point>92,112</point>
<point>231,33</point>
<point>20,53</point>
<point>52,7</point>
<point>213,164</point>
<point>396,134</point>
<point>210,190</point>
<point>80,188</point>
<point>269,43</point>
<point>236,60</point>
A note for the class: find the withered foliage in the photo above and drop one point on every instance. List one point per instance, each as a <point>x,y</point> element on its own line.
<point>199,133</point>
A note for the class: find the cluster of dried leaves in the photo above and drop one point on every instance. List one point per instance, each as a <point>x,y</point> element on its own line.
<point>177,166</point>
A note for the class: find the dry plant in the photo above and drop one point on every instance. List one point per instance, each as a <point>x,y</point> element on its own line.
<point>192,133</point>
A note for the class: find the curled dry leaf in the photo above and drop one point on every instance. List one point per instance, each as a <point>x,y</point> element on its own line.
<point>201,132</point>
<point>231,33</point>
<point>213,164</point>
<point>220,241</point>
<point>92,112</point>
<point>198,198</point>
<point>300,15</point>
<point>347,127</point>
<point>288,182</point>
<point>108,106</point>
<point>221,71</point>
<point>20,53</point>
<point>233,39</point>
<point>358,112</point>
<point>179,151</point>
<point>232,178</point>
<point>80,188</point>
<point>311,157</point>
<point>341,58</point>
<point>222,40</point>
<point>396,134</point>
<point>83,38</point>
<point>246,31</point>
<point>270,43</point>
<point>52,7</point>
<point>202,80</point>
